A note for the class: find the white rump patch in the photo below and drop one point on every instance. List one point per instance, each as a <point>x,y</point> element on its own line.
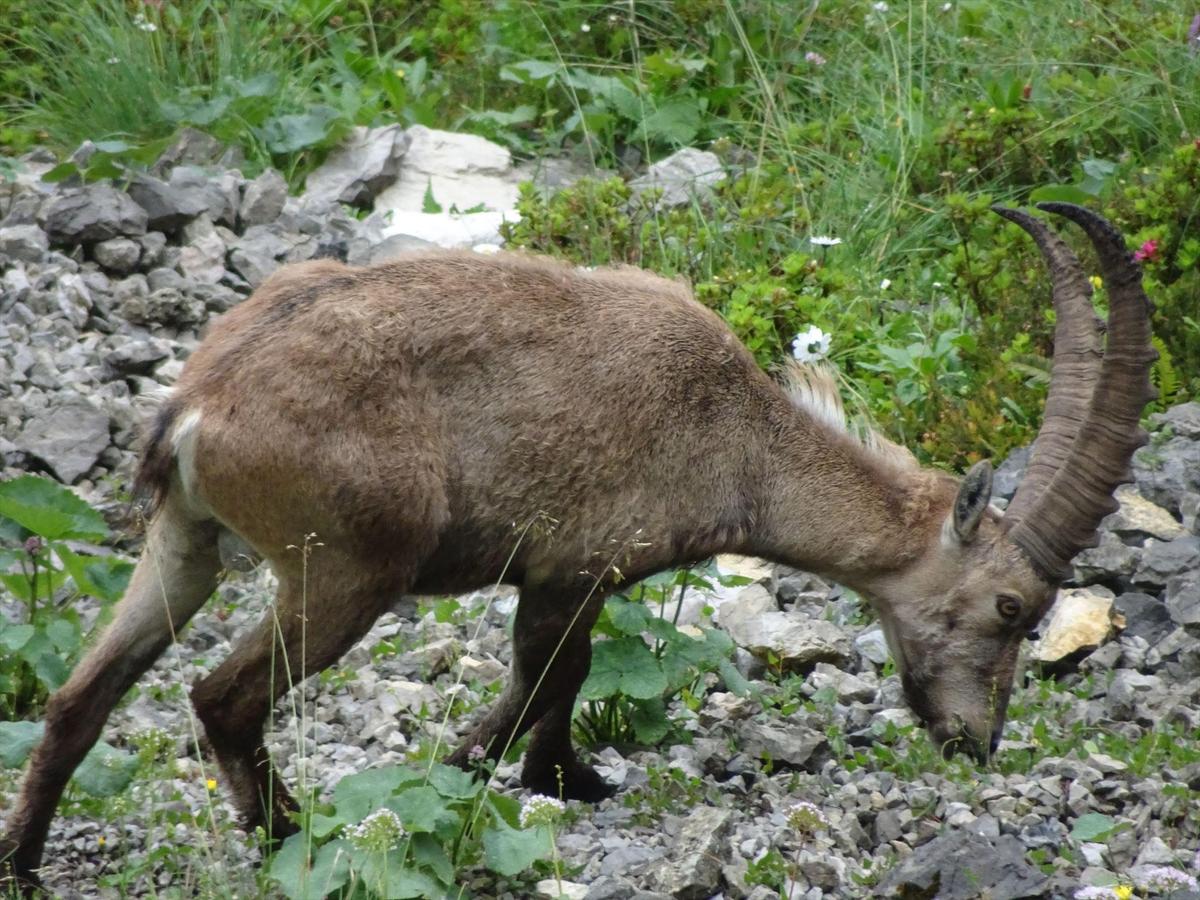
<point>183,446</point>
<point>813,388</point>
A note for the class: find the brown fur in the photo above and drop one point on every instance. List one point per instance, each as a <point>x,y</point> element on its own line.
<point>446,420</point>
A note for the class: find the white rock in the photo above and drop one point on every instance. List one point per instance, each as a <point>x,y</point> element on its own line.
<point>1082,618</point>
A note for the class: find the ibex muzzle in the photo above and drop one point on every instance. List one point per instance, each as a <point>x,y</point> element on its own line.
<point>418,417</point>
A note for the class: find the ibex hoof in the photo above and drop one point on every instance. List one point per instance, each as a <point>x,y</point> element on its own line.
<point>576,782</point>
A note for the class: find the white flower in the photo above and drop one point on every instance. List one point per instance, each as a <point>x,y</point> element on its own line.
<point>806,817</point>
<point>378,832</point>
<point>946,7</point>
<point>810,345</point>
<point>541,810</point>
<point>824,240</point>
<point>1165,878</point>
<point>143,23</point>
<point>885,284</point>
<point>815,58</point>
<point>585,27</point>
<point>880,7</point>
<point>113,60</point>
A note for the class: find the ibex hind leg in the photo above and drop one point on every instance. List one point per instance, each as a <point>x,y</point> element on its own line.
<point>177,572</point>
<point>552,652</point>
<point>317,617</point>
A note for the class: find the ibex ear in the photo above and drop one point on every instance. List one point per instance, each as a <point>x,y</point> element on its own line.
<point>974,494</point>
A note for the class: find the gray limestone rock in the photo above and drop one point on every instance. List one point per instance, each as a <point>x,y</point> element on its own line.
<point>263,199</point>
<point>964,865</point>
<point>168,208</point>
<point>683,177</point>
<point>1164,559</point>
<point>22,243</point>
<point>95,212</point>
<point>361,168</point>
<point>1183,597</point>
<point>118,255</point>
<point>68,437</point>
<point>693,870</point>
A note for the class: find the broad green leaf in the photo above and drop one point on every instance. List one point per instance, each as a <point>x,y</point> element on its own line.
<point>624,665</point>
<point>18,586</point>
<point>421,808</point>
<point>1060,193</point>
<point>303,879</point>
<point>48,666</point>
<point>15,637</point>
<point>48,509</point>
<point>287,134</point>
<point>451,781</point>
<point>509,851</point>
<point>1092,827</point>
<point>627,617</point>
<point>102,577</point>
<point>429,853</point>
<point>106,771</point>
<point>358,794</point>
<point>387,876</point>
<point>675,122</point>
<point>265,84</point>
<point>649,720</point>
<point>17,740</point>
<point>529,71</point>
<point>64,635</point>
<point>61,172</point>
<point>322,826</point>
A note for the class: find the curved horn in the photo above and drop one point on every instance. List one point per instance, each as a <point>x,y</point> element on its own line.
<point>1063,518</point>
<point>1074,370</point>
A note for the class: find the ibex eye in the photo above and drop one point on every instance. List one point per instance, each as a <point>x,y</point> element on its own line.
<point>1009,607</point>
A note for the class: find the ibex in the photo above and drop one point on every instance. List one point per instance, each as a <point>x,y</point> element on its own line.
<point>414,414</point>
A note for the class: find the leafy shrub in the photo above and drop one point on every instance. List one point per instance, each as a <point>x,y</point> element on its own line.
<point>632,682</point>
<point>39,521</point>
<point>398,832</point>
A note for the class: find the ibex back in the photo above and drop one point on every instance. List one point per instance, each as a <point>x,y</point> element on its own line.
<point>417,416</point>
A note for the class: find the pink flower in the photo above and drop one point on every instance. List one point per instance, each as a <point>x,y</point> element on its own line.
<point>1148,252</point>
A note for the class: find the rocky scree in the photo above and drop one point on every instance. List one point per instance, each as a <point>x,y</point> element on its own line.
<point>104,292</point>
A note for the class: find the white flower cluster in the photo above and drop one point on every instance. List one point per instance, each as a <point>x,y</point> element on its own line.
<point>140,21</point>
<point>1165,878</point>
<point>806,817</point>
<point>377,833</point>
<point>811,345</point>
<point>541,810</point>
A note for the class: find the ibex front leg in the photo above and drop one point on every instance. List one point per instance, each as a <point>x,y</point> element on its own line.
<point>176,574</point>
<point>552,653</point>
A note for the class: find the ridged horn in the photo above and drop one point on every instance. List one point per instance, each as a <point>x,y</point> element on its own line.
<point>1060,517</point>
<point>1074,370</point>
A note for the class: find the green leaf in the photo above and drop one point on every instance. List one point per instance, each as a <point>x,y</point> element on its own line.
<point>17,740</point>
<point>287,134</point>
<point>15,637</point>
<point>627,617</point>
<point>61,172</point>
<point>509,851</point>
<point>303,879</point>
<point>1060,193</point>
<point>428,204</point>
<point>649,720</point>
<point>530,71</point>
<point>453,782</point>
<point>675,122</point>
<point>48,509</point>
<point>428,853</point>
<point>1092,827</point>
<point>624,665</point>
<point>102,577</point>
<point>50,668</point>
<point>106,771</point>
<point>421,809</point>
<point>64,634</point>
<point>387,876</point>
<point>358,794</point>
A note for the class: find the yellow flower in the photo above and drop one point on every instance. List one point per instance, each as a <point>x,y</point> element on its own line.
<point>1123,891</point>
<point>1096,281</point>
<point>399,73</point>
<point>211,784</point>
<point>101,841</point>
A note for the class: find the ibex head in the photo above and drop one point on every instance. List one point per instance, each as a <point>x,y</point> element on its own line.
<point>986,581</point>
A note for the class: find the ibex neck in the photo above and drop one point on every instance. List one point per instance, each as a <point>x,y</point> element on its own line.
<point>840,510</point>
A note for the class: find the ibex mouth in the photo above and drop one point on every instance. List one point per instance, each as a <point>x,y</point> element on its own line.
<point>953,737</point>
